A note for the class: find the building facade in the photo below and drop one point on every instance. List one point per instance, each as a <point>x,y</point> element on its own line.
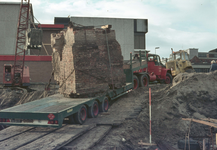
<point>130,33</point>
<point>201,61</point>
<point>9,14</point>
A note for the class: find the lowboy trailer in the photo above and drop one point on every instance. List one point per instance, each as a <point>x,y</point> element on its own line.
<point>51,111</point>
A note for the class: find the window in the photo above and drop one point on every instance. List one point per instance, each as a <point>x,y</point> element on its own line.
<point>186,56</point>
<point>202,54</point>
<point>183,56</point>
<point>201,69</point>
<point>139,40</point>
<point>155,58</point>
<point>177,56</point>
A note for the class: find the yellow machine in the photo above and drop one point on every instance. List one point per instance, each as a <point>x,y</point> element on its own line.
<point>179,62</point>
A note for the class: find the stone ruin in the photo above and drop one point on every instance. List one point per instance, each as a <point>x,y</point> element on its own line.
<point>81,62</point>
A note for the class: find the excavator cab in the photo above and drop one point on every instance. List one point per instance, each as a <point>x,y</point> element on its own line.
<point>7,74</point>
<point>16,79</point>
<point>179,63</point>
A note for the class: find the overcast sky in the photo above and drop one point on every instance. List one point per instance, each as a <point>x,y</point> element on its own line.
<point>177,24</point>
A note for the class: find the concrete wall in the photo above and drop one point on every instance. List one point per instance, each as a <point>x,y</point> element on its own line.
<point>192,52</point>
<point>124,29</point>
<point>40,71</point>
<point>9,14</point>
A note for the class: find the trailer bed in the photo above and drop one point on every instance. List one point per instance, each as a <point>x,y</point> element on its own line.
<point>51,111</point>
<point>51,104</point>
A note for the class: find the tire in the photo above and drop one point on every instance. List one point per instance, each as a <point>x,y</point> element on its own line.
<point>104,105</point>
<point>93,110</point>
<point>81,116</point>
<point>144,81</point>
<point>136,82</point>
<point>168,79</point>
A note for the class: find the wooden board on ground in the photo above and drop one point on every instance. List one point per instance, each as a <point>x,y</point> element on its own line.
<point>145,144</point>
<point>89,139</point>
<point>59,138</point>
<point>25,138</point>
<point>201,122</point>
<point>12,131</point>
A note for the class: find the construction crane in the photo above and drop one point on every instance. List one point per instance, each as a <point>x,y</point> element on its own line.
<point>18,74</point>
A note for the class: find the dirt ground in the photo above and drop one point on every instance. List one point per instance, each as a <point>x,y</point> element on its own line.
<point>14,96</point>
<point>191,95</point>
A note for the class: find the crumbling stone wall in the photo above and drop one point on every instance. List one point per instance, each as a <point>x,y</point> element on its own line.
<point>81,61</point>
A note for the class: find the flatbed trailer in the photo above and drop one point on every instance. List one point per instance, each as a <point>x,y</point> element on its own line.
<point>51,111</point>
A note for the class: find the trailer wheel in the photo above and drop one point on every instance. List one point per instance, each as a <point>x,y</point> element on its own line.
<point>81,116</point>
<point>93,110</point>
<point>135,81</point>
<point>168,79</point>
<point>104,105</point>
<point>144,81</point>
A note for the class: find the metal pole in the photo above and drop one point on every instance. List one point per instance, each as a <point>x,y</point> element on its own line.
<point>109,59</point>
<point>216,138</point>
<point>150,112</point>
<point>204,144</point>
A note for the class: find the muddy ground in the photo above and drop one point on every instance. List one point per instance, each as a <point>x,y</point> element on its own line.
<point>189,96</point>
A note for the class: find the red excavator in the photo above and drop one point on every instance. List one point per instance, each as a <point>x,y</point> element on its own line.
<point>18,74</point>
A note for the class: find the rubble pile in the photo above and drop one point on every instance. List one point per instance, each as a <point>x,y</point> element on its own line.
<point>81,61</point>
<point>191,95</point>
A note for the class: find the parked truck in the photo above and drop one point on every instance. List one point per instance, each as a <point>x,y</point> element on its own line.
<point>151,69</point>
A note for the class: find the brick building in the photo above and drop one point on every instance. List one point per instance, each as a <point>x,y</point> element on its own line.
<point>201,61</point>
<point>40,67</point>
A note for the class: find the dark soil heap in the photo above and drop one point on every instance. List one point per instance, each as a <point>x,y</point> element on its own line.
<point>191,95</point>
<point>81,60</point>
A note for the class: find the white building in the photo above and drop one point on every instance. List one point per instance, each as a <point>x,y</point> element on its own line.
<point>130,33</point>
<point>9,14</point>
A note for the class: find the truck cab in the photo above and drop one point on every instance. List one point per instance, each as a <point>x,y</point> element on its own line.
<point>149,68</point>
<point>157,71</point>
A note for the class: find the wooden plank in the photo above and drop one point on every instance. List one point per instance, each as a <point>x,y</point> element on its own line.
<point>210,119</point>
<point>106,26</point>
<point>59,138</point>
<point>147,144</point>
<point>25,138</point>
<point>89,139</point>
<point>216,139</point>
<point>12,131</point>
<point>45,48</point>
<point>47,43</point>
<point>201,122</point>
